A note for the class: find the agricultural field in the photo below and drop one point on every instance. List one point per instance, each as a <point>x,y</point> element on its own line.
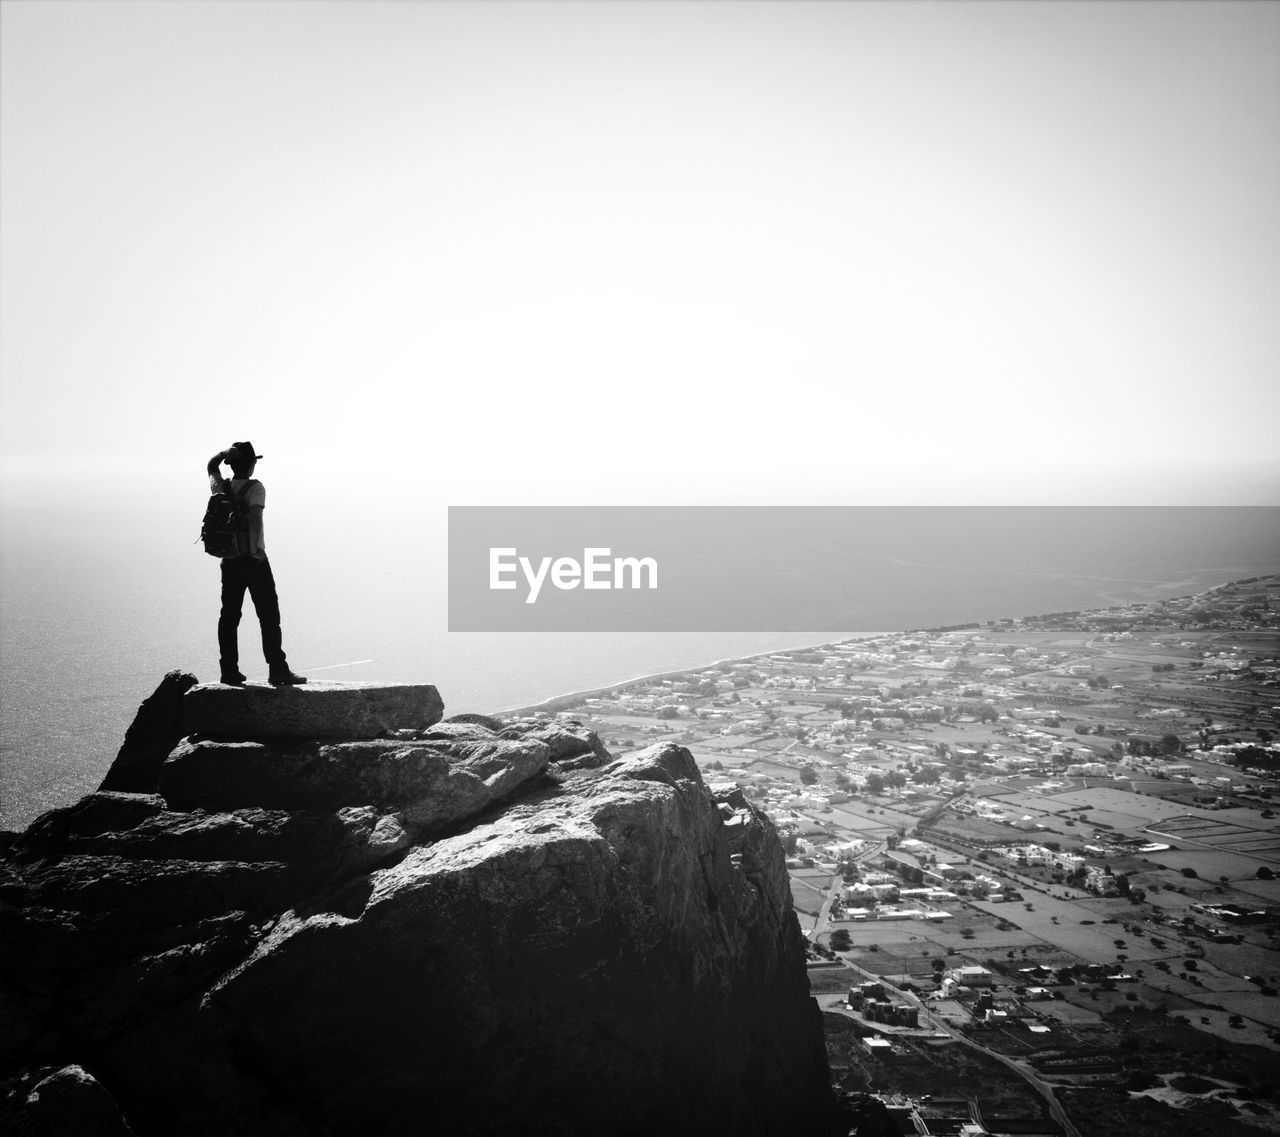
<point>1210,865</point>
<point>967,826</point>
<point>862,820</point>
<point>1069,1014</point>
<point>1041,806</point>
<point>1267,890</point>
<point>1256,959</point>
<point>809,891</point>
<point>1128,809</point>
<point>833,980</point>
<point>887,939</point>
<point>779,773</point>
<point>1176,893</point>
<point>737,744</point>
<point>1258,1014</point>
<point>1067,926</point>
<point>1220,834</point>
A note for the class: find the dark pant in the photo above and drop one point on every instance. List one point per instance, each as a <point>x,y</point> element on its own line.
<point>237,575</point>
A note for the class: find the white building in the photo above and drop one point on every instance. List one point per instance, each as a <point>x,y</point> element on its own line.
<point>971,976</point>
<point>1087,770</point>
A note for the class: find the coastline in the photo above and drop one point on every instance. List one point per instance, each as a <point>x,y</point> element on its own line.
<point>566,700</point>
<point>557,703</point>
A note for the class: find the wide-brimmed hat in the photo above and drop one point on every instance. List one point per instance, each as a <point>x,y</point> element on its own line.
<point>246,449</point>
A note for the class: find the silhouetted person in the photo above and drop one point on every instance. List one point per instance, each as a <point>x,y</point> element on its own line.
<point>250,570</point>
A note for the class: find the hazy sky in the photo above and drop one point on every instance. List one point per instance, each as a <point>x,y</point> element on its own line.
<point>762,252</point>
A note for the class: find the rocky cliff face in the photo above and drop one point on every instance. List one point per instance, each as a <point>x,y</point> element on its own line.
<point>340,915</point>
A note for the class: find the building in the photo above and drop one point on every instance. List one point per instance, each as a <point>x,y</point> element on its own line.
<point>1087,770</point>
<point>1102,882</point>
<point>971,976</point>
<point>945,872</point>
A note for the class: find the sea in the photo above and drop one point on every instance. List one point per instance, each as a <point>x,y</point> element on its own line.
<point>95,609</point>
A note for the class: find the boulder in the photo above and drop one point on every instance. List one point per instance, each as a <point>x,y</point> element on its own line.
<point>572,745</point>
<point>155,730</point>
<point>433,783</point>
<point>72,1103</point>
<point>316,710</point>
<point>54,832</point>
<point>448,731</point>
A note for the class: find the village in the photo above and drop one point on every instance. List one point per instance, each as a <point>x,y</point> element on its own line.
<point>1035,860</point>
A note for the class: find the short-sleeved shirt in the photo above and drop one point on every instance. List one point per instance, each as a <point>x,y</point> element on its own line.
<point>255,495</point>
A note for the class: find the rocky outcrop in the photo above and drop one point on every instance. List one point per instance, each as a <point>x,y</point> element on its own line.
<point>570,744</point>
<point>467,927</point>
<point>71,1101</point>
<point>434,782</point>
<point>156,729</point>
<point>317,710</point>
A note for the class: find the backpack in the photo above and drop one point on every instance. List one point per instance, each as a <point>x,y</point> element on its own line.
<point>225,528</point>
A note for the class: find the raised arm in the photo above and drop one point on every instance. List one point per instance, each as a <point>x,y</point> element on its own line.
<point>216,480</point>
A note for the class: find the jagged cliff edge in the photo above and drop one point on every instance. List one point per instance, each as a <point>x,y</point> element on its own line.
<point>326,911</point>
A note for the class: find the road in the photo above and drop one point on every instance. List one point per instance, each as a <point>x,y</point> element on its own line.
<point>824,915</point>
<point>1023,1070</point>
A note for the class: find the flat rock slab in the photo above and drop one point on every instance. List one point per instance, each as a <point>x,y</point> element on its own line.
<point>316,710</point>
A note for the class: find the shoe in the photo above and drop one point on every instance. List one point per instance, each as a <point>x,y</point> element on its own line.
<point>234,679</point>
<point>285,679</point>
